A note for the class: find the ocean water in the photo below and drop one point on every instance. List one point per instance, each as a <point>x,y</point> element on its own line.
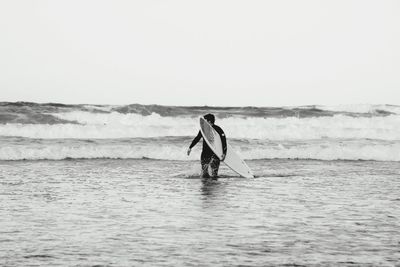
<point>85,185</point>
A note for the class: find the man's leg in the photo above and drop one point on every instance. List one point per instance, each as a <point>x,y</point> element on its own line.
<point>205,161</point>
<point>214,164</point>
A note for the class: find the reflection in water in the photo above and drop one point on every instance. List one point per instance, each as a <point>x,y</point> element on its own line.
<point>209,187</point>
<point>213,189</point>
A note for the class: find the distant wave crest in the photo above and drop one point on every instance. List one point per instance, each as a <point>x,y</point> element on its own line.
<point>34,113</point>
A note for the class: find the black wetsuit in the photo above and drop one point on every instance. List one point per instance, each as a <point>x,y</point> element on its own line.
<point>208,157</point>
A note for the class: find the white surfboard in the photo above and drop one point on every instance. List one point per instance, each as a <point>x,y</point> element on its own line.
<point>232,160</point>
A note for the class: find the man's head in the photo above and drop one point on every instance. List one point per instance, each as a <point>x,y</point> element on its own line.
<point>210,118</point>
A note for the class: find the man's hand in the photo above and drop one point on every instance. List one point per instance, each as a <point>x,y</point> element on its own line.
<point>188,151</point>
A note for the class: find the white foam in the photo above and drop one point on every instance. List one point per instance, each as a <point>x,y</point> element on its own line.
<point>63,151</point>
<point>117,119</point>
<point>117,125</point>
<point>327,152</point>
<point>365,150</point>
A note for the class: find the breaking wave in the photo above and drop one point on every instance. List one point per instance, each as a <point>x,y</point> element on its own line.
<point>117,125</point>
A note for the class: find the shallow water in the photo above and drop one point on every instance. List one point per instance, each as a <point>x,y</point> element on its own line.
<point>158,213</point>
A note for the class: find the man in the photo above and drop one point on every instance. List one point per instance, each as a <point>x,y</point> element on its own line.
<point>208,157</point>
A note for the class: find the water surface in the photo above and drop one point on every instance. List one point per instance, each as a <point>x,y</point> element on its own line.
<point>159,213</point>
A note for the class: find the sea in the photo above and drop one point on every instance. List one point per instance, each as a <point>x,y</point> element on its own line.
<point>112,185</point>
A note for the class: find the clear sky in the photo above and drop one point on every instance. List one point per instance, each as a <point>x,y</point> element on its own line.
<point>217,52</point>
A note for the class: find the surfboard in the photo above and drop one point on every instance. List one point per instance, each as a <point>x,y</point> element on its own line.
<point>232,159</point>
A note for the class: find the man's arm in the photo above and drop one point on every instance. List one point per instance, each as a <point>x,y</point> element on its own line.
<point>194,142</point>
<point>223,139</point>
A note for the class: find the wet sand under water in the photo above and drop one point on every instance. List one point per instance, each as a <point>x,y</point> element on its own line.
<point>157,213</point>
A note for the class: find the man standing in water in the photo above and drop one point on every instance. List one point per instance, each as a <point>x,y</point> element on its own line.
<point>208,157</point>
